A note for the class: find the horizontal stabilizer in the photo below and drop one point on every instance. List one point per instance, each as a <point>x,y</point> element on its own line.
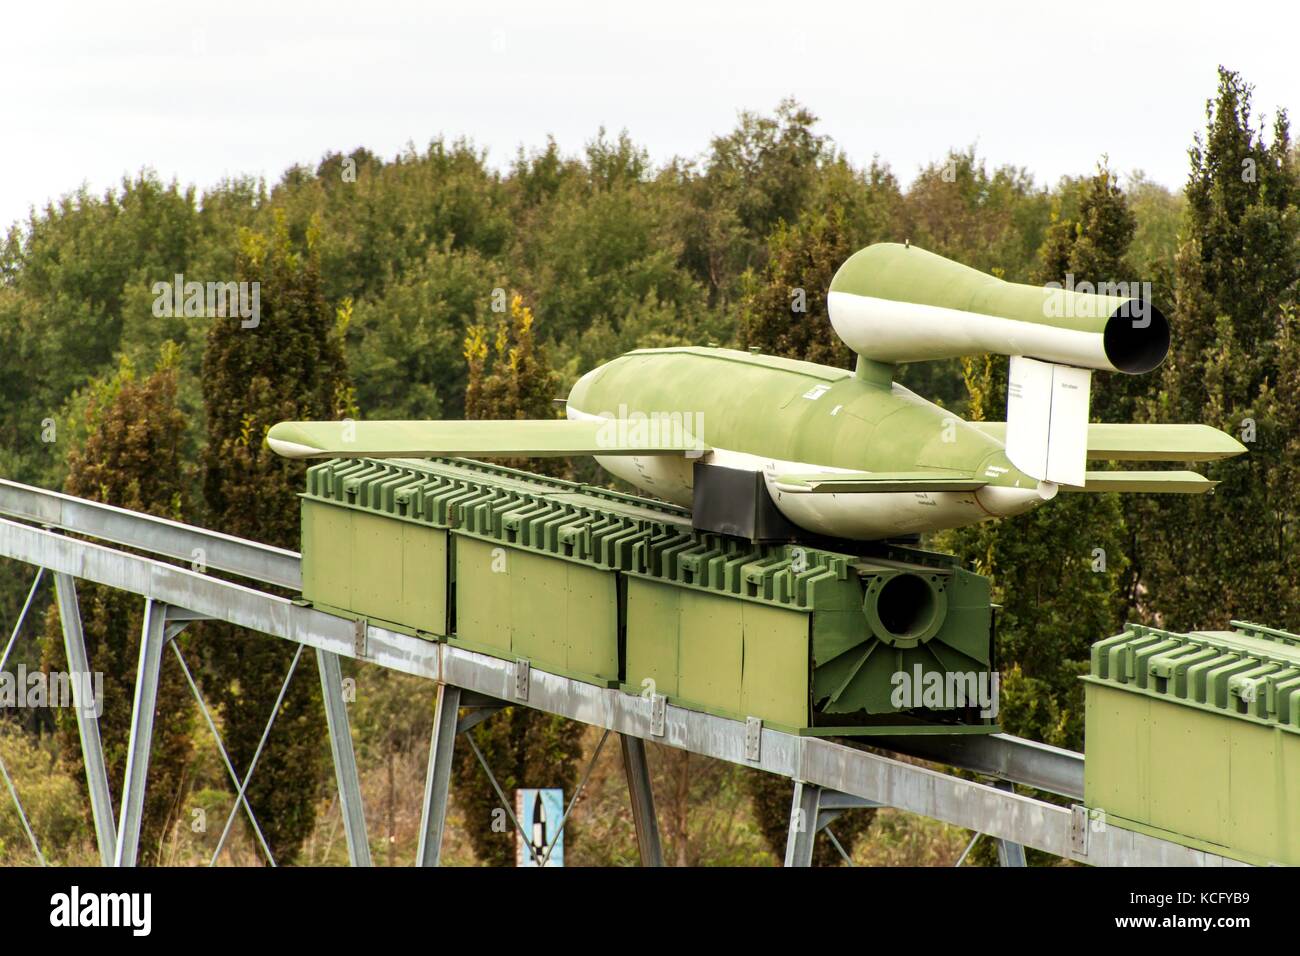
<point>873,482</point>
<point>1126,442</point>
<point>1158,482</point>
<point>480,439</point>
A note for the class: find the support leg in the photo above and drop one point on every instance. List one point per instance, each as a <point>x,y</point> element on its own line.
<point>1009,854</point>
<point>345,760</point>
<point>643,800</point>
<point>437,780</point>
<point>92,752</point>
<point>137,756</point>
<point>803,824</point>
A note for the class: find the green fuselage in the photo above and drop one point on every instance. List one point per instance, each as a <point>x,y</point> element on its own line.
<point>778,415</point>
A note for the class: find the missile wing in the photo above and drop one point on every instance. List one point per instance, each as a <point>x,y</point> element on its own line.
<point>479,439</point>
<point>1126,442</point>
<point>876,482</point>
<point>1148,482</point>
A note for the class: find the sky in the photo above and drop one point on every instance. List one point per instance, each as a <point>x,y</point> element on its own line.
<point>202,91</point>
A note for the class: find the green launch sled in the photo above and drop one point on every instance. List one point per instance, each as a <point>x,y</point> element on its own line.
<point>623,592</point>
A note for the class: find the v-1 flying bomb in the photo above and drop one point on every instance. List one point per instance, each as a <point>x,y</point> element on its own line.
<point>769,447</point>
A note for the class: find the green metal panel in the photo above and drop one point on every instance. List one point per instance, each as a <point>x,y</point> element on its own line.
<point>326,564</point>
<point>711,650</point>
<point>652,613</point>
<point>560,615</point>
<point>376,589</point>
<point>615,589</point>
<point>483,609</point>
<point>372,567</point>
<point>718,654</point>
<point>424,578</point>
<point>776,663</point>
<point>591,624</point>
<point>1196,737</point>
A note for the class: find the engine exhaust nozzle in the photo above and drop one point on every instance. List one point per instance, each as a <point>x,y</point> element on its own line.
<point>895,303</point>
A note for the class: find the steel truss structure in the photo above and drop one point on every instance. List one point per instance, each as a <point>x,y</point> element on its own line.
<point>829,777</point>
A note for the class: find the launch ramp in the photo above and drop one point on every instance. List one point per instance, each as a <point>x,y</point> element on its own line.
<point>37,528</point>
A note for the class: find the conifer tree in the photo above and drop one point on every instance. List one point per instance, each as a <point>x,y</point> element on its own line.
<point>286,366</point>
<point>1232,554</point>
<point>784,310</point>
<point>131,456</point>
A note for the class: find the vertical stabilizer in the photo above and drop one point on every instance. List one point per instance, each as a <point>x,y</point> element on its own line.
<point>1047,420</point>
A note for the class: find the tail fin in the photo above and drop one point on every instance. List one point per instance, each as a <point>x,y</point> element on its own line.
<point>1047,420</point>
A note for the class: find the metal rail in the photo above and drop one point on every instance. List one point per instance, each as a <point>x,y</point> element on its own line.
<point>1002,756</point>
<point>195,546</point>
<point>839,774</point>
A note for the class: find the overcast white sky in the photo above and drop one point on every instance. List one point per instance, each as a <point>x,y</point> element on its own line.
<point>202,91</point>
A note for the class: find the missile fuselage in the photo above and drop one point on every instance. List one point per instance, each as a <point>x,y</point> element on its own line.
<point>780,417</point>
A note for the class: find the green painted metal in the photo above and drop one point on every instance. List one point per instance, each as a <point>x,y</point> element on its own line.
<point>511,439</point>
<point>1165,482</point>
<point>890,270</point>
<point>1110,441</point>
<point>1196,737</point>
<point>617,590</point>
<point>875,482</point>
<point>811,413</point>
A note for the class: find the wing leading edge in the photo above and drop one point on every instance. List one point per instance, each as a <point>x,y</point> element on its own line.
<point>1135,442</point>
<point>481,439</point>
<point>874,482</point>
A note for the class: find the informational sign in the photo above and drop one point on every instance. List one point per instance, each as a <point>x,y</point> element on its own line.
<point>539,813</point>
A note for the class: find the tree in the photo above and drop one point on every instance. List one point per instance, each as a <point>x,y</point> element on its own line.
<point>759,174</point>
<point>1232,553</point>
<point>784,312</point>
<point>288,366</point>
<point>511,378</point>
<point>130,456</point>
<point>1092,248</point>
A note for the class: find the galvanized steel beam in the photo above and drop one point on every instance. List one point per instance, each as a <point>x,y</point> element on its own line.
<point>644,819</point>
<point>1010,853</point>
<point>802,834</point>
<point>345,760</point>
<point>88,709</point>
<point>141,741</point>
<point>437,778</point>
<point>1026,762</point>
<point>211,549</point>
